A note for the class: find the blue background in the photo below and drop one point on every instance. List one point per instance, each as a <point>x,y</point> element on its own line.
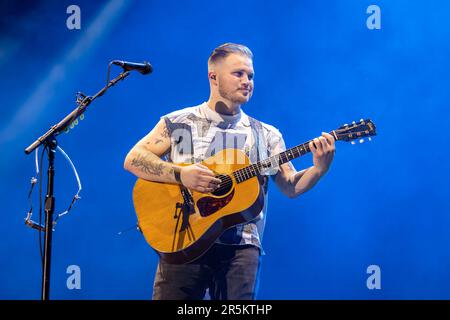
<point>317,67</point>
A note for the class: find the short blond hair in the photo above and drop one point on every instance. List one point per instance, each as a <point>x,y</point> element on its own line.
<point>224,50</point>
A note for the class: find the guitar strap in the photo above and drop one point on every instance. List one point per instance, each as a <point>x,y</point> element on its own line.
<point>262,150</point>
<point>260,141</point>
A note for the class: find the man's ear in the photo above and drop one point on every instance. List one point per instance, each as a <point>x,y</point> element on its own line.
<point>212,75</point>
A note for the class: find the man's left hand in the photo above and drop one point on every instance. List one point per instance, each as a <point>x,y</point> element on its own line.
<point>323,150</point>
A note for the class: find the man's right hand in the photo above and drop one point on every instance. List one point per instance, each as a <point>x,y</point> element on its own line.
<point>199,178</point>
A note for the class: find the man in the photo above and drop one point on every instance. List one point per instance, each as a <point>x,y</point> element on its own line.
<point>229,269</point>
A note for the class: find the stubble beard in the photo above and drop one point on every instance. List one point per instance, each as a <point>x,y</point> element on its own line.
<point>233,98</point>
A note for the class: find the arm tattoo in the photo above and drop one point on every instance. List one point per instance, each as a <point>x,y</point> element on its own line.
<point>147,166</point>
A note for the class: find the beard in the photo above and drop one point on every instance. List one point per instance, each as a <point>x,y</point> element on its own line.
<point>235,96</point>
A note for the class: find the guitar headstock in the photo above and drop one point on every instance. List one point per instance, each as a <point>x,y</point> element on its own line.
<point>355,131</point>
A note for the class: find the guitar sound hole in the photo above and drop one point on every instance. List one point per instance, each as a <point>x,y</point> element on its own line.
<point>225,186</point>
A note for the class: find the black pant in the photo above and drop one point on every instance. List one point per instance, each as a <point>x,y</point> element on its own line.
<point>229,271</point>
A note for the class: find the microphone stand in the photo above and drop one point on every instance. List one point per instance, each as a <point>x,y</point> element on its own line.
<point>49,141</point>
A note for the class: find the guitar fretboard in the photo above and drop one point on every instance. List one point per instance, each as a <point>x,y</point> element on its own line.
<point>253,170</point>
<point>365,128</point>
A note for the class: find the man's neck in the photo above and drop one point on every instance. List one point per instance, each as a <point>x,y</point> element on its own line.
<point>223,107</point>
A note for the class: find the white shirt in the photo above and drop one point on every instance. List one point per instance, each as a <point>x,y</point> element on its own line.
<point>199,132</point>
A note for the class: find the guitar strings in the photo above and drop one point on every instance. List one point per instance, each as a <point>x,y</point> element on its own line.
<point>251,170</point>
<point>241,173</point>
<point>227,181</point>
<point>254,169</point>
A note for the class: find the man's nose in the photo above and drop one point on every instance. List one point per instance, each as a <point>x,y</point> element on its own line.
<point>246,82</point>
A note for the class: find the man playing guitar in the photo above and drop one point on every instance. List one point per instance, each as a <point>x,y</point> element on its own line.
<point>229,267</point>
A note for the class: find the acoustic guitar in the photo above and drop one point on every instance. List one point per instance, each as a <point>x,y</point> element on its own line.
<point>181,224</point>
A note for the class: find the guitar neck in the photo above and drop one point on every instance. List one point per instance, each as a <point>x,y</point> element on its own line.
<point>253,170</point>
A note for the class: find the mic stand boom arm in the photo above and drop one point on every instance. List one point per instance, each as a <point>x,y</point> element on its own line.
<point>64,123</point>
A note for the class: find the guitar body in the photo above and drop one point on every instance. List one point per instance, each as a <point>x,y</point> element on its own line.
<point>182,237</point>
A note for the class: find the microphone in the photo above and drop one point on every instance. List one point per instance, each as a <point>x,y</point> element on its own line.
<point>143,68</point>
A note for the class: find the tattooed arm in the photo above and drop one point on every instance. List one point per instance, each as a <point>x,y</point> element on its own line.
<point>144,161</point>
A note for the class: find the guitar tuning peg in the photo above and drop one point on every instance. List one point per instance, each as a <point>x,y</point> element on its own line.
<point>361,120</point>
<point>361,140</point>
<point>369,138</point>
<point>353,142</point>
<point>353,122</point>
<point>346,125</point>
